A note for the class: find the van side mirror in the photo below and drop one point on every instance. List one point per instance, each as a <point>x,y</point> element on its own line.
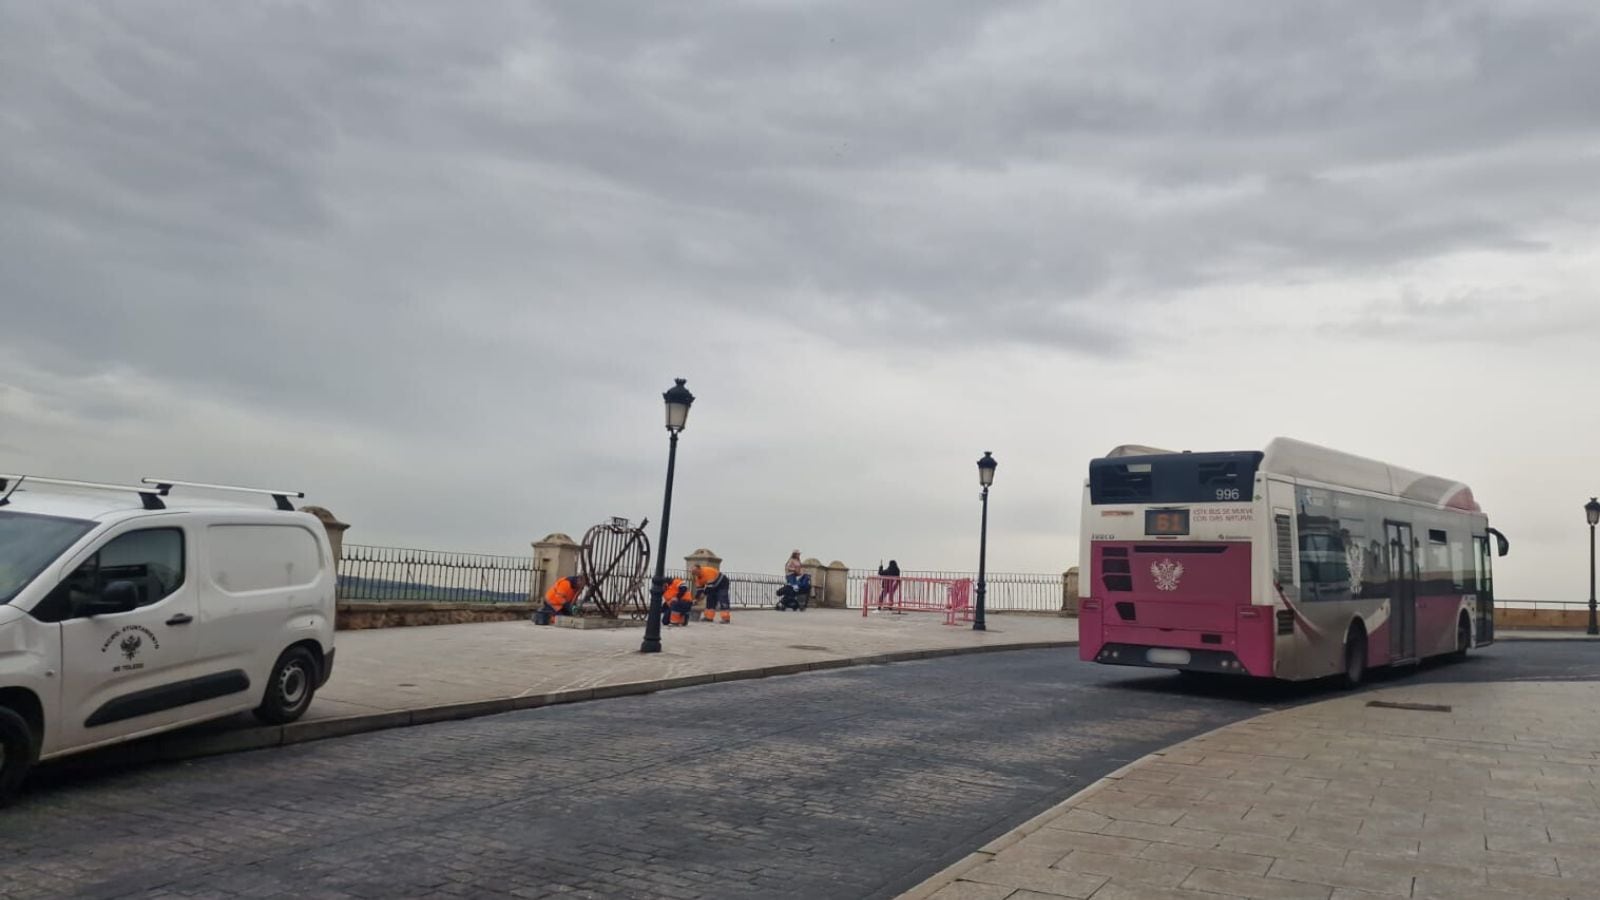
<point>116,597</point>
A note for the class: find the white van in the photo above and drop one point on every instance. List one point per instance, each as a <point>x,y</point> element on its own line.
<point>124,613</point>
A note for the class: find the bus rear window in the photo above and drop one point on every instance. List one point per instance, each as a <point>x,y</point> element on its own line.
<point>1175,478</point>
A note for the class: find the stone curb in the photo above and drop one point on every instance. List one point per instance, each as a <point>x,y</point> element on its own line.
<point>176,747</point>
<point>951,873</point>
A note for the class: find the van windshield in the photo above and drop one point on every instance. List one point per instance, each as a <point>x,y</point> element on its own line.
<point>29,543</point>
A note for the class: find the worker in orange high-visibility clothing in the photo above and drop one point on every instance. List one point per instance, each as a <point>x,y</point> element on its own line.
<point>675,599</point>
<point>559,600</point>
<point>713,585</point>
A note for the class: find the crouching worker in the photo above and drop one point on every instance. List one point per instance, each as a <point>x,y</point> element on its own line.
<point>675,600</point>
<point>563,595</point>
<point>714,586</point>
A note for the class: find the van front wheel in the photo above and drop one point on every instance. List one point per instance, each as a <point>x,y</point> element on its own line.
<point>16,752</point>
<point>290,687</point>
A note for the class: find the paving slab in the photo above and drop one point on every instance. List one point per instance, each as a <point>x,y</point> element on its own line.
<point>1447,790</point>
<point>388,669</point>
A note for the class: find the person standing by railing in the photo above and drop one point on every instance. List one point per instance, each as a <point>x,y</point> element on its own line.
<point>891,583</point>
<point>792,568</point>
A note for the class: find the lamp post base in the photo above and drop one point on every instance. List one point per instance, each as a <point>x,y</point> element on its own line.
<point>652,621</point>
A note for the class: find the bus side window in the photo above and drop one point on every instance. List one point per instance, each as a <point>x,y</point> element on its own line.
<point>1460,576</point>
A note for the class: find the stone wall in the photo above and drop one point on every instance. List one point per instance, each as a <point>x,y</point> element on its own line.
<point>355,614</point>
<point>1564,619</point>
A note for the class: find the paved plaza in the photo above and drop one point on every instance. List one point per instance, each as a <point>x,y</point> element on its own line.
<point>865,782</point>
<point>849,783</point>
<point>389,669</point>
<point>396,677</point>
<point>1427,791</point>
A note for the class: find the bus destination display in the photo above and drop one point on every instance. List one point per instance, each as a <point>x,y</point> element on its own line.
<point>1166,521</point>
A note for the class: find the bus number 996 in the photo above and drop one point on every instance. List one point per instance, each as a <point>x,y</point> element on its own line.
<point>1227,493</point>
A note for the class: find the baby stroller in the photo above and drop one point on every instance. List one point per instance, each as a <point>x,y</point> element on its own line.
<point>795,595</point>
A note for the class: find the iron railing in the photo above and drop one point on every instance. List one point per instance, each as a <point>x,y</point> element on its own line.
<point>1007,591</point>
<point>397,574</point>
<point>752,590</point>
<point>1541,604</point>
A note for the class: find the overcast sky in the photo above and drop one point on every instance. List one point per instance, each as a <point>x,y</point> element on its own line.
<point>435,263</point>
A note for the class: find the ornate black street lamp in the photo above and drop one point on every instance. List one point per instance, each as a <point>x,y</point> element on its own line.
<point>678,400</point>
<point>1592,510</point>
<point>986,468</point>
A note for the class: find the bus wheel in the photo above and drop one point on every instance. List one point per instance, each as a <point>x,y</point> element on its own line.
<point>1355,658</point>
<point>1463,637</point>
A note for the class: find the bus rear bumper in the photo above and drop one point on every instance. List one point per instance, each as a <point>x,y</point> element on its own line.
<point>1248,650</point>
<point>1223,662</point>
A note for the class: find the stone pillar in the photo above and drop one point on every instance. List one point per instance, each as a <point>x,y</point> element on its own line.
<point>701,557</point>
<point>554,558</point>
<point>819,580</point>
<point>333,526</point>
<point>1069,591</point>
<point>838,585</point>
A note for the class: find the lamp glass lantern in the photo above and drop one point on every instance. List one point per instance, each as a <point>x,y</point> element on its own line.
<point>986,467</point>
<point>678,401</point>
<point>1592,510</point>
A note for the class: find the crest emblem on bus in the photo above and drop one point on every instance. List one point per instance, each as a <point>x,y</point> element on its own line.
<point>1166,573</point>
<point>1356,560</point>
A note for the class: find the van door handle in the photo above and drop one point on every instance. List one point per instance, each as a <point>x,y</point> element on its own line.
<point>180,619</point>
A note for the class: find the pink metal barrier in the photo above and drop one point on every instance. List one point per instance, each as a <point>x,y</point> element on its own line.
<point>951,596</point>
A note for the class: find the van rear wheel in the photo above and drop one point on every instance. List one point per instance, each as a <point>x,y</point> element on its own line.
<point>17,747</point>
<point>290,687</point>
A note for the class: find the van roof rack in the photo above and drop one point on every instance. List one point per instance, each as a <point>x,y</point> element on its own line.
<point>149,497</point>
<point>165,486</point>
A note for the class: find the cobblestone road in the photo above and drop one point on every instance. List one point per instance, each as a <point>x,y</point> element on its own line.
<point>850,783</point>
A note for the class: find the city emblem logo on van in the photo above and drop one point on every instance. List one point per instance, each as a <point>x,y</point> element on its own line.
<point>130,639</point>
<point>1167,573</point>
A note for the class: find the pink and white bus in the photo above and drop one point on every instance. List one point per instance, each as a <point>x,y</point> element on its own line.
<point>1293,562</point>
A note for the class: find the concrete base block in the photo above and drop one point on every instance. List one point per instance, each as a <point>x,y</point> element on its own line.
<point>584,623</point>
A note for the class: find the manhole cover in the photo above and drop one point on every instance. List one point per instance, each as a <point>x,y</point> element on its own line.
<point>806,647</point>
<point>1419,707</point>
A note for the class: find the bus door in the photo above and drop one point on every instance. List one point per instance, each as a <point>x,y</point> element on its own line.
<point>1483,583</point>
<point>1402,592</point>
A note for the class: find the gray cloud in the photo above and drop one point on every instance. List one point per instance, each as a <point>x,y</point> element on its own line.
<point>422,236</point>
